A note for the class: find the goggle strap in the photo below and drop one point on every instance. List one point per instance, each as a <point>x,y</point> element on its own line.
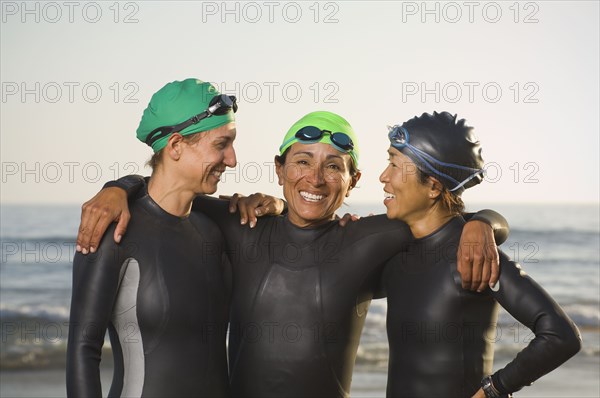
<point>153,137</point>
<point>418,153</point>
<point>439,162</point>
<point>286,142</point>
<point>434,160</point>
<point>466,180</point>
<point>429,166</point>
<point>157,134</point>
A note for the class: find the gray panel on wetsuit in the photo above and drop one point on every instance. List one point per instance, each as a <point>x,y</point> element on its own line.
<point>127,327</point>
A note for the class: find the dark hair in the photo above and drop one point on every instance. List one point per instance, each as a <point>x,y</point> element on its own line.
<point>449,200</point>
<point>156,158</point>
<point>281,159</point>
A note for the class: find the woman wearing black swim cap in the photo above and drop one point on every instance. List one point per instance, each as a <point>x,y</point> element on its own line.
<point>441,336</point>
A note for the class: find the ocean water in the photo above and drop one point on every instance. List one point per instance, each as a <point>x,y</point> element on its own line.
<point>558,245</point>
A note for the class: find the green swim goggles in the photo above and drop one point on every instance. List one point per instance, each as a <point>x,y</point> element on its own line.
<point>219,105</point>
<point>312,134</point>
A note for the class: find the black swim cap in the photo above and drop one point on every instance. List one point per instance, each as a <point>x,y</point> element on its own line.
<point>442,147</point>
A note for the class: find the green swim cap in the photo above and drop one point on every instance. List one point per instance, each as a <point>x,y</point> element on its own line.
<point>324,121</point>
<point>176,102</point>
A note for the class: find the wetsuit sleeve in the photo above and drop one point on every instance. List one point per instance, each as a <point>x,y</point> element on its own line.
<point>218,211</point>
<point>132,184</point>
<point>493,219</point>
<point>95,285</point>
<point>556,337</point>
<point>372,241</point>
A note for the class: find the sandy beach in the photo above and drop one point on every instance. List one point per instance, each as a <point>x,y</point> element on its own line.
<point>578,378</point>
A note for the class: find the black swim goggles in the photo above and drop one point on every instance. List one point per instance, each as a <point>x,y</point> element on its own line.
<point>313,134</point>
<point>219,105</point>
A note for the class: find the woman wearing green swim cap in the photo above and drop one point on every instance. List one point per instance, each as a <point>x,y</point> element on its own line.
<point>157,291</point>
<point>317,178</point>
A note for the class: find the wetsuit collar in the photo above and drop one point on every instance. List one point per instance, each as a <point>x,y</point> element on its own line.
<point>447,229</point>
<point>153,208</point>
<point>306,234</point>
<point>325,224</point>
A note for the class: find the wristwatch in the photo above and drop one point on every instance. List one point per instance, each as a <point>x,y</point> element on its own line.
<point>490,391</point>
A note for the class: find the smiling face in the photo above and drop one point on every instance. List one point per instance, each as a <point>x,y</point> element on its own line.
<point>406,197</point>
<point>202,161</point>
<point>316,179</point>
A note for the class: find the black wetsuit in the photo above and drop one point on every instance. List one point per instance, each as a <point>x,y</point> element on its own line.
<point>161,295</point>
<point>441,336</point>
<point>300,297</point>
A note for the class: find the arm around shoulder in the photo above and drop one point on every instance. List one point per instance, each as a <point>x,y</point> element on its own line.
<point>108,205</point>
<point>218,211</point>
<point>495,220</point>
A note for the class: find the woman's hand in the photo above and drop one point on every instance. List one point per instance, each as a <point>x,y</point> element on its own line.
<point>479,394</point>
<point>253,206</point>
<point>477,259</point>
<point>350,217</point>
<point>110,204</point>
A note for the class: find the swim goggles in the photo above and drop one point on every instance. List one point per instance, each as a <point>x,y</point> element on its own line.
<point>311,134</point>
<point>219,105</point>
<point>399,138</point>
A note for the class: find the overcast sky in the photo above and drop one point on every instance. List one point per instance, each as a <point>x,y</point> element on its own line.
<point>76,77</point>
